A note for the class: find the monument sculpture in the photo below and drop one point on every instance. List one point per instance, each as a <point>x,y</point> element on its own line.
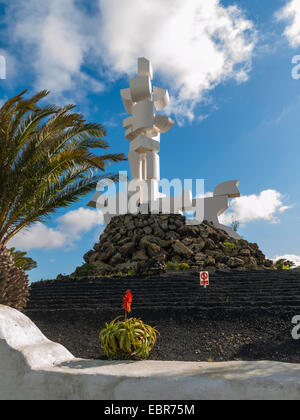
<point>143,129</point>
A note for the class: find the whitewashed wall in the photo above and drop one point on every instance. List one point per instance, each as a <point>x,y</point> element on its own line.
<point>32,368</point>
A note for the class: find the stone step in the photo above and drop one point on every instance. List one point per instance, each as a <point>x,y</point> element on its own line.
<point>179,282</point>
<point>181,290</point>
<point>117,294</point>
<point>170,307</point>
<point>161,285</point>
<point>197,292</point>
<point>162,302</point>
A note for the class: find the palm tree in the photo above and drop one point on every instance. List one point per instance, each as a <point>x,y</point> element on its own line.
<point>46,164</point>
<point>46,161</point>
<point>22,261</point>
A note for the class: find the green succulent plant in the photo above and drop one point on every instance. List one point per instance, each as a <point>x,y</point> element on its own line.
<point>131,273</point>
<point>128,338</point>
<point>228,247</point>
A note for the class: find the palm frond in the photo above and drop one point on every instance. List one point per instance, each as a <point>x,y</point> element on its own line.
<point>46,160</point>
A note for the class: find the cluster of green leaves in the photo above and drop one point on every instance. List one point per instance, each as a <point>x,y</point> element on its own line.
<point>86,270</point>
<point>283,264</point>
<point>228,247</point>
<point>235,225</point>
<point>129,338</point>
<point>172,266</point>
<point>131,273</point>
<point>46,161</point>
<point>21,261</point>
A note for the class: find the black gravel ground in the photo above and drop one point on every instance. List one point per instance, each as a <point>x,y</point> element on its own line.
<point>215,328</point>
<point>184,336</point>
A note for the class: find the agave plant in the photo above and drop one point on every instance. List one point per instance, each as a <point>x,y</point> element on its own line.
<point>46,161</point>
<point>125,339</point>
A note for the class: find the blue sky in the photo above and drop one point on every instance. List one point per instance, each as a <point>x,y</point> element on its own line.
<point>228,66</point>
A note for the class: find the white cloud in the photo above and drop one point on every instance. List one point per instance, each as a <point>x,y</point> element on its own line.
<point>193,44</point>
<point>264,206</point>
<point>57,39</point>
<point>80,221</point>
<point>38,236</point>
<point>289,257</point>
<point>70,228</point>
<point>291,14</point>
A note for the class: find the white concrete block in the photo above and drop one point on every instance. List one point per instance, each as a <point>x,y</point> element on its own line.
<point>161,98</point>
<point>153,168</point>
<point>127,100</point>
<point>130,134</point>
<point>128,122</point>
<point>141,89</point>
<point>213,208</point>
<point>156,138</point>
<point>145,68</point>
<point>135,166</point>
<point>163,123</point>
<point>229,188</point>
<point>176,204</point>
<point>93,202</point>
<point>143,144</point>
<point>153,133</point>
<point>143,116</point>
<point>153,188</point>
<point>128,125</point>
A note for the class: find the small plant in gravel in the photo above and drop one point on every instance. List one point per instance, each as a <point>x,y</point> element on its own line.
<point>172,266</point>
<point>283,264</point>
<point>127,338</point>
<point>131,273</point>
<point>115,274</point>
<point>183,267</point>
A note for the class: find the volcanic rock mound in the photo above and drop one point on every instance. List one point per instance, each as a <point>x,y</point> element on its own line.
<point>146,243</point>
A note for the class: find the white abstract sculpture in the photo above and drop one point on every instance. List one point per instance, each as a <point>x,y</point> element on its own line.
<point>217,204</point>
<point>143,128</point>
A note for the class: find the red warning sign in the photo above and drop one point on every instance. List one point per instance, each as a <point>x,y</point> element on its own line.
<point>204,278</point>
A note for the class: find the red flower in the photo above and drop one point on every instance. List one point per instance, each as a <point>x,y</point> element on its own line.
<point>127,301</point>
